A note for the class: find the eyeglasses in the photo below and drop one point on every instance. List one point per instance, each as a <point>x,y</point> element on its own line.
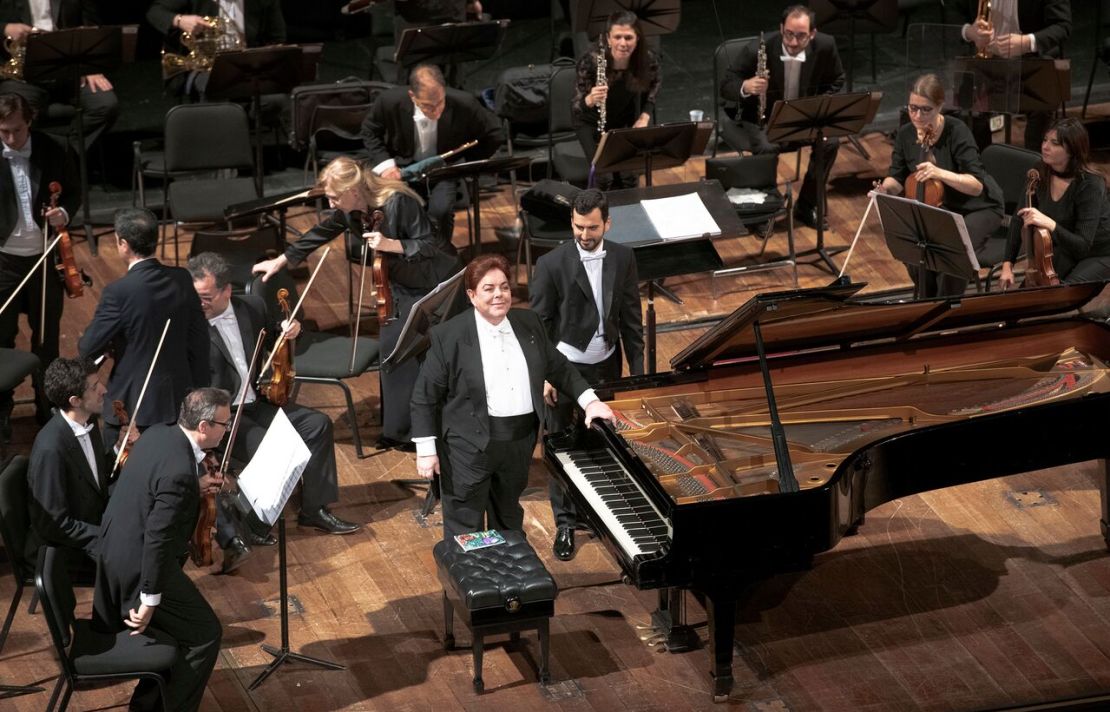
<point>224,424</point>
<point>923,110</point>
<point>796,36</point>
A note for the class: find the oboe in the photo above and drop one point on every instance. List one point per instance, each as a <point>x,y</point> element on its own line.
<point>602,81</point>
<point>762,73</point>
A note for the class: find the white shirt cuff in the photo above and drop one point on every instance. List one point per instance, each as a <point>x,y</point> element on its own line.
<point>64,212</point>
<point>743,94</point>
<point>963,32</point>
<point>385,166</point>
<point>425,446</point>
<point>588,396</point>
<point>150,599</point>
<point>1032,42</point>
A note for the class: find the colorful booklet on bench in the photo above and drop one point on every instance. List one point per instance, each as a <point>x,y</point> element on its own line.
<point>479,540</point>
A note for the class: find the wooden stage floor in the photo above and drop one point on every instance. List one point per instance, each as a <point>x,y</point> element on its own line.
<point>986,595</point>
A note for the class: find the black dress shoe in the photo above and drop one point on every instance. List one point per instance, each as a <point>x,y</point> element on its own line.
<point>327,522</point>
<point>235,554</point>
<point>564,544</point>
<point>262,539</point>
<point>807,215</point>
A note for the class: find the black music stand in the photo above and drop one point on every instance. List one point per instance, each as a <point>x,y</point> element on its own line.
<point>449,45</point>
<point>67,56</point>
<point>657,17</point>
<point>649,147</point>
<point>470,171</point>
<point>840,16</point>
<point>925,237</point>
<point>274,203</point>
<point>248,74</point>
<point>811,120</point>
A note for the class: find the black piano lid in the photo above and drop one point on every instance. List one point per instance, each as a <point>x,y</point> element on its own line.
<point>828,317</point>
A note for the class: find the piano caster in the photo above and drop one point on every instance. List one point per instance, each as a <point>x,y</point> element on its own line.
<point>449,642</point>
<point>479,686</point>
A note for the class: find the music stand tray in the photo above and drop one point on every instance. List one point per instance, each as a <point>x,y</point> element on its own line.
<point>657,17</point>
<point>648,148</point>
<point>451,43</point>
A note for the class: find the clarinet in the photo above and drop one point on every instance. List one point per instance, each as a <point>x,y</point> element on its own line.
<point>762,73</point>
<point>601,81</point>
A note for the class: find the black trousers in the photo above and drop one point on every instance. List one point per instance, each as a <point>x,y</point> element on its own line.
<point>397,384</point>
<point>440,198</point>
<point>99,109</point>
<point>561,417</point>
<point>44,341</point>
<point>481,489</point>
<point>746,136</point>
<point>980,225</point>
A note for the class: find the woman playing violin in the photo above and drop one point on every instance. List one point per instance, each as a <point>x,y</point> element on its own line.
<point>1071,204</point>
<point>415,263</point>
<point>968,189</point>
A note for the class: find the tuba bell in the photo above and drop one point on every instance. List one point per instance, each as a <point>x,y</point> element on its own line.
<point>216,35</point>
<point>13,68</point>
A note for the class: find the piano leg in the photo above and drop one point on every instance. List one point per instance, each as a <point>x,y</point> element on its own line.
<point>721,610</point>
<point>1104,496</point>
<point>669,621</point>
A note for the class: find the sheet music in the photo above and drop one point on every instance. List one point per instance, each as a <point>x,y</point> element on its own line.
<point>273,472</point>
<point>680,217</point>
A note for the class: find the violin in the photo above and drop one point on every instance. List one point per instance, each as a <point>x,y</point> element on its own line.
<point>282,373</point>
<point>72,276</point>
<point>124,420</point>
<point>379,273</point>
<point>1038,241</point>
<point>930,192</point>
<point>200,545</point>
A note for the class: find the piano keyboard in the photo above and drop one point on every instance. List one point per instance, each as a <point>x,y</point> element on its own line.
<point>618,500</point>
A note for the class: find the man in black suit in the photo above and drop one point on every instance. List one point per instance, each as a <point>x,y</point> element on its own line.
<point>128,323</point>
<point>99,105</point>
<point>144,538</point>
<point>68,477</point>
<point>479,391</point>
<point>425,119</point>
<point>1018,28</point>
<point>29,162</point>
<point>587,294</point>
<point>801,62</point>
<point>234,324</point>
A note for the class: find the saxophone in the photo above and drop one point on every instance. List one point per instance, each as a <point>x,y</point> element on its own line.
<point>13,68</point>
<point>762,73</point>
<point>601,80</point>
<point>983,22</point>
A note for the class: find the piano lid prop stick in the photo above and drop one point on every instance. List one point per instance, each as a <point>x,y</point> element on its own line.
<point>142,392</point>
<point>293,314</point>
<point>858,231</point>
<point>45,254</point>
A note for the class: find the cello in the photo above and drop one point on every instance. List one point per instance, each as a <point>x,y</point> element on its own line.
<point>72,276</point>
<point>1038,242</point>
<point>930,192</point>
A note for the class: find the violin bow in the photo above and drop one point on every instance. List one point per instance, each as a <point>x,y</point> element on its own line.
<point>142,393</point>
<point>358,310</point>
<point>242,394</point>
<point>41,261</point>
<point>293,314</point>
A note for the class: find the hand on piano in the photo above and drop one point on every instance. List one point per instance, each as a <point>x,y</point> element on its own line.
<point>550,394</point>
<point>427,466</point>
<point>597,409</point>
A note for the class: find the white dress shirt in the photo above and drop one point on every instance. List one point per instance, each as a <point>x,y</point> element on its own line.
<point>228,327</point>
<point>426,133</point>
<point>792,74</point>
<point>597,350</point>
<point>1004,19</point>
<point>233,11</point>
<point>81,432</point>
<point>26,238</point>
<point>41,19</point>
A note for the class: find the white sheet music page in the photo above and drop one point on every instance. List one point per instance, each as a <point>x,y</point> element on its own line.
<point>681,217</point>
<point>273,472</point>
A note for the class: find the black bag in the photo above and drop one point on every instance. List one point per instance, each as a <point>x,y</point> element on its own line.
<point>305,99</point>
<point>550,200</point>
<point>521,94</point>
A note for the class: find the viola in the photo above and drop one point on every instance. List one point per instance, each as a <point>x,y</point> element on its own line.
<point>282,372</point>
<point>930,192</point>
<point>1038,241</point>
<point>72,276</point>
<point>379,273</point>
<point>200,545</point>
<point>124,420</point>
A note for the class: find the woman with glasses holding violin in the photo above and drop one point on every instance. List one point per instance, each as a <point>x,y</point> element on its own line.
<point>936,156</point>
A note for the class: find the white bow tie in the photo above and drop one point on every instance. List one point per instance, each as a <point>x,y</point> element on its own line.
<point>80,430</point>
<point>24,153</point>
<point>590,257</point>
<point>787,58</point>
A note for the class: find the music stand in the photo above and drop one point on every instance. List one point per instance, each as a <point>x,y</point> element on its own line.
<point>648,148</point>
<point>811,120</point>
<point>274,203</point>
<point>1011,86</point>
<point>67,56</point>
<point>250,73</point>
<point>449,44</point>
<point>470,171</point>
<point>838,16</point>
<point>926,237</point>
<point>657,17</point>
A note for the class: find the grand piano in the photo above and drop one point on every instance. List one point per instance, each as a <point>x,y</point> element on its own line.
<point>778,429</point>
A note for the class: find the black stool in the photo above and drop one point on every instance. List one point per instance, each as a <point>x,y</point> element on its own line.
<point>498,589</point>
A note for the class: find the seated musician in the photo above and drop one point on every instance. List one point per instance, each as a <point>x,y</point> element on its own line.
<point>968,189</point>
<point>427,118</point>
<point>1018,28</point>
<point>1071,204</point>
<point>414,264</point>
<point>70,469</point>
<point>632,80</point>
<point>479,398</point>
<point>234,323</point>
<point>97,99</point>
<point>801,62</point>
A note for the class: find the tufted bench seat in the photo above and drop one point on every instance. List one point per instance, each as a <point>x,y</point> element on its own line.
<point>498,589</point>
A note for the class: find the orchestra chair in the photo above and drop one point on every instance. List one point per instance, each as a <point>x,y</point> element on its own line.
<point>564,152</point>
<point>1009,165</point>
<point>89,658</point>
<point>320,357</point>
<point>527,125</point>
<point>497,589</point>
<point>757,173</point>
<point>213,138</point>
<point>242,248</point>
<point>541,233</point>
<point>335,130</point>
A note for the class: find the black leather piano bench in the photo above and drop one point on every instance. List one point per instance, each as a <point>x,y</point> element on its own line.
<point>499,589</point>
